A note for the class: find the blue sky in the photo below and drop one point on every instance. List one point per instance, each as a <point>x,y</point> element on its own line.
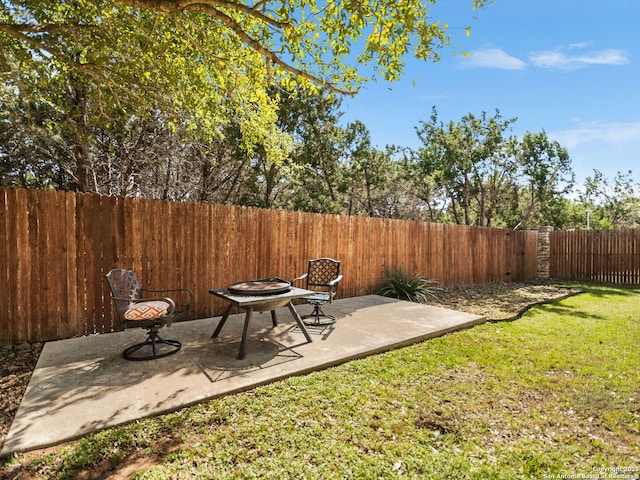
<point>568,67</point>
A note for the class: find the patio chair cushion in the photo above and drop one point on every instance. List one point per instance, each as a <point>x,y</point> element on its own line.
<point>146,310</point>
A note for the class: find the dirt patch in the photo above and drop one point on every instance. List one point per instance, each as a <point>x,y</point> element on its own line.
<point>16,366</point>
<point>502,301</point>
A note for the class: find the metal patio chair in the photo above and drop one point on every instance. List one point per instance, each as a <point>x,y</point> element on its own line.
<point>143,308</point>
<point>323,276</point>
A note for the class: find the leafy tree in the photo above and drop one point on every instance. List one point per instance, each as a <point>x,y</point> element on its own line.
<point>146,157</point>
<point>480,176</point>
<point>30,152</point>
<point>424,186</point>
<point>470,161</point>
<point>318,181</point>
<point>295,39</point>
<point>207,63</point>
<point>611,203</point>
<point>545,167</point>
<point>377,180</point>
<point>93,62</point>
<point>395,195</point>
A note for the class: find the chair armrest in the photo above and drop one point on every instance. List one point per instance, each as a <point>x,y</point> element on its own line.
<point>335,280</point>
<point>299,278</point>
<point>182,290</point>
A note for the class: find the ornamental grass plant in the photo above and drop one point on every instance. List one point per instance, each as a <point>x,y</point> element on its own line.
<point>408,286</point>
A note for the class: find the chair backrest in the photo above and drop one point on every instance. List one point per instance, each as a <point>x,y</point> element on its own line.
<point>124,286</point>
<point>322,271</point>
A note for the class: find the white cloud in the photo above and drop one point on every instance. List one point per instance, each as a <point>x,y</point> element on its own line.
<point>608,147</point>
<point>579,46</point>
<point>615,134</point>
<point>494,58</point>
<point>560,59</point>
<point>570,57</point>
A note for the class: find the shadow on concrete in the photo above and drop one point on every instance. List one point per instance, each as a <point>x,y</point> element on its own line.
<point>83,385</point>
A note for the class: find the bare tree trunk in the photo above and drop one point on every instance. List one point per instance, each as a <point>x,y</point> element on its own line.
<point>77,120</point>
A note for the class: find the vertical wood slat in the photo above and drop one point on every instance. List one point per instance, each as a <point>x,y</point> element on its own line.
<point>37,267</point>
<point>5,260</point>
<point>56,304</point>
<point>111,246</point>
<point>70,322</point>
<point>91,226</point>
<point>43,291</point>
<point>83,316</point>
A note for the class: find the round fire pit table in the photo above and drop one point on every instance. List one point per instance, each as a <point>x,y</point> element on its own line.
<point>261,295</point>
<point>264,286</point>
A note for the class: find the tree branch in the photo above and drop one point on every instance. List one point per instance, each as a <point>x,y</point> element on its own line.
<point>268,54</point>
<point>213,8</point>
<point>16,31</point>
<point>84,68</point>
<point>53,28</point>
<point>174,6</point>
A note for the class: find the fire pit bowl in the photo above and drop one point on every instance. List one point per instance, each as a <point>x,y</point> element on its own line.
<point>263,286</point>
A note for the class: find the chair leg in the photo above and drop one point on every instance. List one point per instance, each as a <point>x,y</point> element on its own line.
<point>316,315</point>
<point>153,341</point>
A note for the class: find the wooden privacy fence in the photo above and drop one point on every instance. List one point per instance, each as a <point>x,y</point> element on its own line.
<point>611,256</point>
<point>56,247</point>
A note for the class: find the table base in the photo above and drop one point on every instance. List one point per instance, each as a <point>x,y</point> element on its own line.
<point>247,319</point>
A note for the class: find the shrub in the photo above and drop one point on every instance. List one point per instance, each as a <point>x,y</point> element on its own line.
<point>408,286</point>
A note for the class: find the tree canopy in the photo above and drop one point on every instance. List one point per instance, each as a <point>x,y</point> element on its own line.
<point>481,177</point>
<point>318,42</point>
<point>201,65</point>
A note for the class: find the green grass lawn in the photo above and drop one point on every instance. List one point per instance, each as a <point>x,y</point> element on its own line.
<point>556,392</point>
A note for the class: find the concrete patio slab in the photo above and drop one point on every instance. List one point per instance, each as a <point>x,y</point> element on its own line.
<point>83,385</point>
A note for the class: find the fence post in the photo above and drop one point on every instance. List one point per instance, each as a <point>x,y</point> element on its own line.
<point>544,252</point>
